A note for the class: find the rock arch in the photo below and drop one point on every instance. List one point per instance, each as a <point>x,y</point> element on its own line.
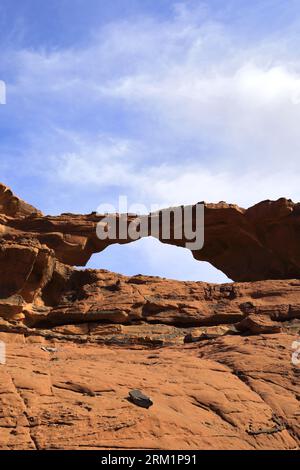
<point>258,243</point>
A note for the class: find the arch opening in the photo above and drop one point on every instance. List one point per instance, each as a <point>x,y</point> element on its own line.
<point>150,257</point>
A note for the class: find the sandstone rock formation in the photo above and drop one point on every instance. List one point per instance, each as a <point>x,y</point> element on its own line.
<point>259,243</point>
<point>215,359</point>
<point>232,392</point>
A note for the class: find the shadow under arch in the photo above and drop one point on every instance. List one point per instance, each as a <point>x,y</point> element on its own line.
<point>150,257</point>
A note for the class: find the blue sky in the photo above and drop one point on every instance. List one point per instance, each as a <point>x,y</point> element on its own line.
<point>167,102</point>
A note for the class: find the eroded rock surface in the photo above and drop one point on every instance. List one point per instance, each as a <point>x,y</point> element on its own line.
<point>216,360</point>
<point>226,393</point>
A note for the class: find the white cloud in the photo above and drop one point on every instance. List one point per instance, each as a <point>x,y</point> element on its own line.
<point>116,163</point>
<point>188,111</point>
<point>103,161</point>
<point>185,79</point>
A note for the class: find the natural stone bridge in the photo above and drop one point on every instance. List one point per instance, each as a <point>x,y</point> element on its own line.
<point>259,243</point>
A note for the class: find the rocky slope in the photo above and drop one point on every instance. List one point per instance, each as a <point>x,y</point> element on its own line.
<point>231,392</point>
<point>216,360</point>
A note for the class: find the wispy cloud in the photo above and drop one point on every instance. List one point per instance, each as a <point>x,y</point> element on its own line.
<point>167,111</point>
<point>201,109</point>
<point>103,161</point>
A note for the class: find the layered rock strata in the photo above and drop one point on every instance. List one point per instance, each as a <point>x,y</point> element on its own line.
<point>221,363</point>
